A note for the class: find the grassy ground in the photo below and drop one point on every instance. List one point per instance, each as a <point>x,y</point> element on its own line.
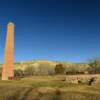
<point>47,88</point>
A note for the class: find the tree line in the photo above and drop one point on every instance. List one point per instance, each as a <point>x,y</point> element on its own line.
<point>59,69</point>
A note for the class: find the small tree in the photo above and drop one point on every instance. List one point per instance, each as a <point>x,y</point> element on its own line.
<point>0,71</point>
<point>45,68</point>
<point>29,71</point>
<point>18,73</point>
<point>59,69</point>
<point>94,66</point>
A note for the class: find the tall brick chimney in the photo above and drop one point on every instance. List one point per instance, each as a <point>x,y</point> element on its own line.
<point>8,66</point>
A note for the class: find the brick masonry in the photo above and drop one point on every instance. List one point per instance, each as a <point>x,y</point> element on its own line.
<point>8,66</point>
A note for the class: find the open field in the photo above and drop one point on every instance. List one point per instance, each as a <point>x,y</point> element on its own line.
<point>40,82</point>
<point>48,88</point>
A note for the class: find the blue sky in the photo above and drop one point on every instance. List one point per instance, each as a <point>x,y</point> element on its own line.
<point>60,30</point>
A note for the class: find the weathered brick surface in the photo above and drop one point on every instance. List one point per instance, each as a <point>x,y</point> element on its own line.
<point>9,53</point>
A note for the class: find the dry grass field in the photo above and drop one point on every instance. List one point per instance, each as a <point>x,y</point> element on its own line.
<point>49,88</point>
<point>43,84</point>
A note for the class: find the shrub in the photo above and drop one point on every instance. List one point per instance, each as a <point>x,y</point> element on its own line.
<point>29,71</point>
<point>18,73</point>
<point>0,71</point>
<point>59,69</point>
<point>94,66</point>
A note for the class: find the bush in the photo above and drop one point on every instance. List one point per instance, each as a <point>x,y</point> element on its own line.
<point>59,69</point>
<point>94,66</point>
<point>18,73</point>
<point>29,71</point>
<point>0,71</point>
<point>45,69</point>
